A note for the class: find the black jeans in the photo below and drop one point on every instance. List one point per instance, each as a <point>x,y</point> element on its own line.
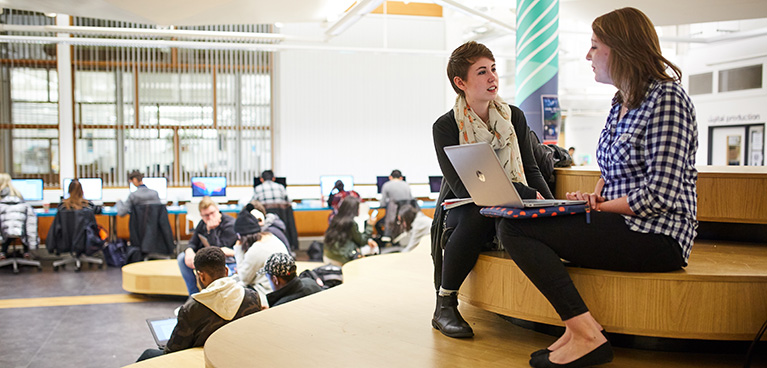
<point>472,232</point>
<point>536,245</point>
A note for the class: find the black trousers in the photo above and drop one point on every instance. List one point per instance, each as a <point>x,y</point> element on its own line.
<point>471,233</point>
<point>536,245</point>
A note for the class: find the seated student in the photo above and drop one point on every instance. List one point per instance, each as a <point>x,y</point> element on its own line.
<point>75,202</point>
<point>251,251</point>
<point>270,191</point>
<point>343,239</point>
<point>220,302</point>
<point>280,268</point>
<point>415,224</point>
<point>142,195</point>
<point>17,219</point>
<point>215,230</point>
<point>393,192</point>
<point>337,194</point>
<point>268,221</point>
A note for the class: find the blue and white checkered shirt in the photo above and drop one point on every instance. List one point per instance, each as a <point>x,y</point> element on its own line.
<point>270,192</point>
<point>649,156</point>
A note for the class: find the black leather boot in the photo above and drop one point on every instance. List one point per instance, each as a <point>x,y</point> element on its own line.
<point>448,320</point>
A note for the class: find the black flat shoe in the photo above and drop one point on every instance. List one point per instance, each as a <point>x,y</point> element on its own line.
<point>547,351</point>
<point>601,355</point>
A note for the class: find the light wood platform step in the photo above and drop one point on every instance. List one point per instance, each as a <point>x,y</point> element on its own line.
<point>721,295</point>
<point>162,277</point>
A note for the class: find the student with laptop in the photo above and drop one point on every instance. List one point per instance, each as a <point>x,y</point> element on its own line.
<point>221,301</point>
<point>478,115</point>
<point>643,206</point>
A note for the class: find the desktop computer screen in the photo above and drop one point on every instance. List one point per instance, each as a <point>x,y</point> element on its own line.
<point>31,189</point>
<point>380,180</point>
<point>278,179</point>
<point>435,182</point>
<point>212,186</point>
<point>327,182</point>
<point>158,184</point>
<point>92,188</point>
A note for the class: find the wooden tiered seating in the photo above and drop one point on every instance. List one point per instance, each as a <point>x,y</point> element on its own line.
<point>721,295</point>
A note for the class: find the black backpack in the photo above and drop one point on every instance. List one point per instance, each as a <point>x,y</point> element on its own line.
<point>326,276</point>
<point>549,156</point>
<point>315,251</point>
<point>115,253</point>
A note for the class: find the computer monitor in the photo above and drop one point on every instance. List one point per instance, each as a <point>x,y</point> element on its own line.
<point>31,189</point>
<point>278,179</point>
<point>435,182</point>
<point>327,182</point>
<point>380,180</point>
<point>158,184</point>
<point>212,186</point>
<point>92,188</point>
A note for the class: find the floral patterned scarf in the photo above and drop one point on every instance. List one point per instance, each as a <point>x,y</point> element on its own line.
<point>498,132</point>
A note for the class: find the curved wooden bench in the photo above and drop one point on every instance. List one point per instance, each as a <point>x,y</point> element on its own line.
<point>189,358</point>
<point>721,295</point>
<point>163,277</point>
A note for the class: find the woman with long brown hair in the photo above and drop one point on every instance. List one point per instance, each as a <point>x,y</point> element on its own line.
<point>644,204</point>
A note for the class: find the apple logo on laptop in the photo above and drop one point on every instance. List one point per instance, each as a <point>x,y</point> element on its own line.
<point>480,176</point>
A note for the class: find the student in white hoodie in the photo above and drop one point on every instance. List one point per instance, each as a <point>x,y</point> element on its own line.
<point>252,249</point>
<point>221,301</point>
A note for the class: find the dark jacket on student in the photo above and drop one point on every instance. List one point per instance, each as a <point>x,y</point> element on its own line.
<point>445,132</point>
<point>150,229</point>
<point>205,312</point>
<point>349,250</point>
<point>295,289</point>
<point>69,231</point>
<point>221,236</point>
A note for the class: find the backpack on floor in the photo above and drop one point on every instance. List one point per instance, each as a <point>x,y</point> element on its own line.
<point>133,254</point>
<point>115,253</point>
<point>315,251</point>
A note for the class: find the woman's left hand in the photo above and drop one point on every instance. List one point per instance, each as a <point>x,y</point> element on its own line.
<point>594,200</point>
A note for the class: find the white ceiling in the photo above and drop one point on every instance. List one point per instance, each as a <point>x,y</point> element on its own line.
<point>201,12</point>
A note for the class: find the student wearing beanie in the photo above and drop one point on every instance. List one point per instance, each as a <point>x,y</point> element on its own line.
<point>280,268</point>
<point>252,249</point>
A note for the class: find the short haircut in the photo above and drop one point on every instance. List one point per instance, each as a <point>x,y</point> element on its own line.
<point>396,174</point>
<point>258,206</point>
<point>206,202</point>
<point>462,58</point>
<point>135,174</point>
<point>267,175</point>
<point>211,260</point>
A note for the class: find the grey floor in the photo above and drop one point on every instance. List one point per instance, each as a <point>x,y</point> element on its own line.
<point>100,335</point>
<point>82,336</point>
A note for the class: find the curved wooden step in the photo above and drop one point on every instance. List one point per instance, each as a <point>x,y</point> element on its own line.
<point>721,295</point>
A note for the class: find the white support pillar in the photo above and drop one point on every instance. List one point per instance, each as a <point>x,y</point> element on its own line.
<point>66,106</point>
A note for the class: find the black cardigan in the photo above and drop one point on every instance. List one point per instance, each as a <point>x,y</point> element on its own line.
<point>445,132</point>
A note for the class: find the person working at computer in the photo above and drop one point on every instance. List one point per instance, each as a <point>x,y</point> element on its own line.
<point>280,268</point>
<point>270,191</point>
<point>478,115</point>
<point>214,230</point>
<point>220,302</point>
<point>17,219</point>
<point>643,208</point>
<point>142,195</point>
<point>393,193</point>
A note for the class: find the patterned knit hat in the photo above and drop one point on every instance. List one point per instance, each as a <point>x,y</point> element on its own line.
<point>280,265</point>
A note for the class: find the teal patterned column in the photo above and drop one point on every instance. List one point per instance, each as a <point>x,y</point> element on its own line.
<point>537,57</point>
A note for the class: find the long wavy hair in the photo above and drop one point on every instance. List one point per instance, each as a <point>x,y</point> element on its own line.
<point>343,222</point>
<point>635,54</point>
<point>75,200</point>
<point>5,182</point>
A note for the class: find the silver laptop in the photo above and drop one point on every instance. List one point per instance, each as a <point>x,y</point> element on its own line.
<point>161,329</point>
<point>481,172</point>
